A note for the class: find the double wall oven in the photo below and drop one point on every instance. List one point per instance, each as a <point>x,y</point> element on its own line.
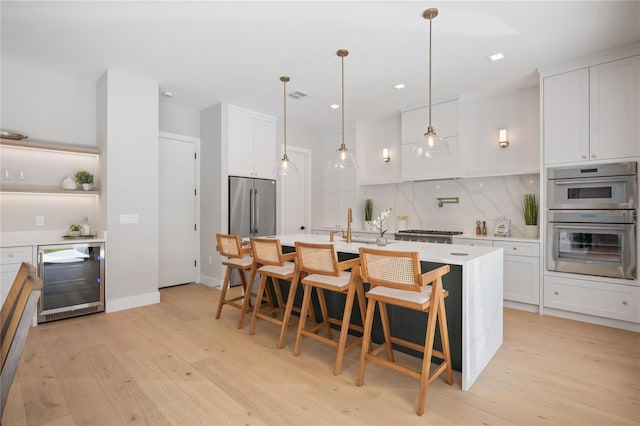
<point>591,220</point>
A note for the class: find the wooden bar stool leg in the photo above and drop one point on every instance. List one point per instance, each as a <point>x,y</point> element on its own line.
<point>223,291</point>
<point>444,339</point>
<point>344,329</point>
<point>256,307</point>
<point>303,316</point>
<point>428,353</point>
<point>287,312</point>
<point>366,341</point>
<point>384,316</point>
<point>325,313</point>
<point>246,300</point>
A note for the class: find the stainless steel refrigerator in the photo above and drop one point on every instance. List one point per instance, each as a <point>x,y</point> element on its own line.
<point>252,206</point>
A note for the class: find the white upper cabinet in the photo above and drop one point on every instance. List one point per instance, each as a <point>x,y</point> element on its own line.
<point>615,109</point>
<point>566,117</point>
<point>444,118</point>
<point>251,149</point>
<point>592,113</point>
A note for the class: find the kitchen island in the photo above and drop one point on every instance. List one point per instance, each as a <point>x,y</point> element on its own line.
<point>474,306</point>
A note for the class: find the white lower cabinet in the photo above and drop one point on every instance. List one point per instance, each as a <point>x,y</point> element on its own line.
<point>521,267</point>
<point>601,299</point>
<point>10,260</point>
<point>521,271</point>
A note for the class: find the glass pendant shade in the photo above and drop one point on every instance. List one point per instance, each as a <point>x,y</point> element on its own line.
<point>431,145</point>
<point>285,167</point>
<point>343,159</point>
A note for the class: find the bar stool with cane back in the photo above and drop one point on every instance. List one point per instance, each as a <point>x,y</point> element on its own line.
<point>273,266</point>
<point>237,258</point>
<point>321,270</point>
<point>395,279</point>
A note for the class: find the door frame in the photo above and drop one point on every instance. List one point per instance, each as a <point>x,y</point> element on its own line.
<point>196,143</point>
<point>307,190</point>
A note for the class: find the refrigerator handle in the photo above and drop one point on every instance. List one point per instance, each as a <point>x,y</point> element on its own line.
<point>257,211</point>
<point>252,208</point>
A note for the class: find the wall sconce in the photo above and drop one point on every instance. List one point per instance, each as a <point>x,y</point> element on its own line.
<point>385,155</point>
<point>502,138</point>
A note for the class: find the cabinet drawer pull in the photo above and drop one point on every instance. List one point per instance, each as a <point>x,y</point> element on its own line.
<point>556,292</point>
<point>624,302</point>
<point>584,157</point>
<point>515,248</point>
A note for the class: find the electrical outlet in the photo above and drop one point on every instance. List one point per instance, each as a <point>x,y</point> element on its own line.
<point>39,220</point>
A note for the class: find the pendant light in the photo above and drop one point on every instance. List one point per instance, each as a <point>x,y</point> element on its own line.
<point>344,158</point>
<point>285,166</point>
<point>430,144</point>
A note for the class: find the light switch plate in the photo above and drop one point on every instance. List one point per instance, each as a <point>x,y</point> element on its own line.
<point>129,219</point>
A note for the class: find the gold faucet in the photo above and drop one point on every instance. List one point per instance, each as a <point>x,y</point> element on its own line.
<point>349,220</point>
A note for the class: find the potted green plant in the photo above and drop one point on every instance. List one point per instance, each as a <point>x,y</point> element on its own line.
<point>74,230</point>
<point>85,179</point>
<point>530,213</point>
<point>368,212</point>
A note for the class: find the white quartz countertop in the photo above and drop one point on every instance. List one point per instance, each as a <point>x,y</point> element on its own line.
<point>15,239</point>
<point>429,252</point>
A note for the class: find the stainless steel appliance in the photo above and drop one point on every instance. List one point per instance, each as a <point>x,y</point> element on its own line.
<point>592,242</point>
<point>426,236</point>
<point>252,206</point>
<point>591,220</point>
<point>73,280</point>
<point>604,186</point>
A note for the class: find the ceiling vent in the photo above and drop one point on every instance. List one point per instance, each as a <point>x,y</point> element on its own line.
<point>297,95</point>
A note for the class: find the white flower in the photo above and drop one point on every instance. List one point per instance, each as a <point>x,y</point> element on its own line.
<point>378,222</point>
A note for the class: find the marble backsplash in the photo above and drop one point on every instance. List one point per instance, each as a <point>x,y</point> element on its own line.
<point>487,199</point>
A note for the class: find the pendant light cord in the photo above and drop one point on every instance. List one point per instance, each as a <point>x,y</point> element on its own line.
<point>430,38</point>
<point>342,81</point>
<point>284,89</point>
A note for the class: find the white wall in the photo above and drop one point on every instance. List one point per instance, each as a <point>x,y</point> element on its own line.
<point>178,119</point>
<point>128,126</point>
<point>47,105</point>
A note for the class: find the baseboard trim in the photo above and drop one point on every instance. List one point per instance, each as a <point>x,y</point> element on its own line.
<point>123,303</point>
<point>607,322</point>
<point>521,306</point>
<point>210,281</point>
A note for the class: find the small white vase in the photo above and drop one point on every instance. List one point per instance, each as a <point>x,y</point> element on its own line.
<point>531,231</point>
<point>86,187</point>
<point>381,241</point>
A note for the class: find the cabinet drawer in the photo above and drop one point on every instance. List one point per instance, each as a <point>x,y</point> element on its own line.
<point>518,249</point>
<point>473,242</point>
<point>12,255</point>
<point>593,298</point>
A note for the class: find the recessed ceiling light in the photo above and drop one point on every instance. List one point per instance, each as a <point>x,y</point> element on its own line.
<point>334,106</point>
<point>496,56</point>
<point>399,86</point>
<point>167,94</point>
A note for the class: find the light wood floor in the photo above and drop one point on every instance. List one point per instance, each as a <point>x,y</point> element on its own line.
<point>173,363</point>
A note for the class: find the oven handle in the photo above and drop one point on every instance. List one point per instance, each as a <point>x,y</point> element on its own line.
<point>591,180</point>
<point>602,226</point>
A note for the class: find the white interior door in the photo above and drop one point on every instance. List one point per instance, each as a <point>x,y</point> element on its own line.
<point>295,207</point>
<point>178,234</point>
